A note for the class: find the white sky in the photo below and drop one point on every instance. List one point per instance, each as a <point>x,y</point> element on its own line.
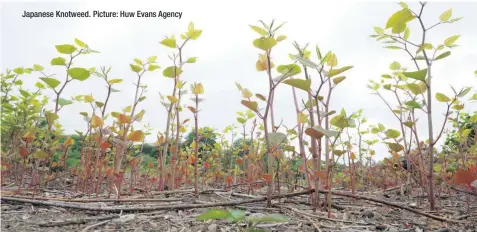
<point>226,54</point>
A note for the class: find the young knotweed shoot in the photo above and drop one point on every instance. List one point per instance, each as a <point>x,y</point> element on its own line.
<point>175,72</point>
<point>196,89</point>
<point>314,99</point>
<point>130,116</point>
<point>400,33</point>
<point>266,42</point>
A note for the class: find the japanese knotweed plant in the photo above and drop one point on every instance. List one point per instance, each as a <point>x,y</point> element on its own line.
<point>268,39</point>
<point>462,139</point>
<point>340,122</point>
<point>243,118</point>
<point>229,151</point>
<point>22,122</point>
<point>361,121</point>
<point>196,89</point>
<point>126,134</point>
<point>174,100</point>
<point>423,54</point>
<point>368,154</point>
<point>328,79</point>
<point>49,140</point>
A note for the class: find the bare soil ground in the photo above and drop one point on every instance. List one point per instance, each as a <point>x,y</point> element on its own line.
<point>348,214</point>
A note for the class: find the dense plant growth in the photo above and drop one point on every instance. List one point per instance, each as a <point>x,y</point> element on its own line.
<point>325,148</point>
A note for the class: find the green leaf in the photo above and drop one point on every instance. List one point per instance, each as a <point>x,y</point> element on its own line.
<point>446,15</point>
<point>398,21</point>
<point>214,214</point>
<point>418,75</point>
<point>392,134</point>
<point>51,117</point>
<point>24,93</point>
<point>172,71</point>
<point>305,62</point>
<point>65,48</point>
<point>138,61</point>
<point>260,96</point>
<point>474,117</point>
<point>115,81</point>
<point>458,107</point>
<point>236,215</point>
<point>40,155</point>
<point>191,60</point>
<point>426,46</point>
<point>474,97</point>
<point>259,30</point>
<point>264,43</point>
<point>268,218</point>
<point>152,59</point>
<point>338,80</point>
<point>379,30</point>
<point>393,47</point>
<point>415,88</point>
<point>289,70</point>
<point>338,152</point>
<point>466,132</point>
<point>194,34</point>
<point>64,102</point>
<point>382,37</point>
<point>19,71</point>
<point>409,124</point>
<point>79,73</point>
<point>99,104</point>
<point>135,68</point>
<point>37,67</point>
<point>50,81</point>
<point>407,32</point>
<point>333,60</point>
<point>413,104</point>
<point>169,42</point>
<point>281,38</point>
<point>451,40</point>
<point>80,43</point>
<point>455,19</point>
<point>464,92</point>
<point>58,61</point>
<point>443,55</point>
<point>241,120</point>
<point>277,138</point>
<point>302,118</point>
<point>326,58</point>
<point>395,66</point>
<point>152,67</point>
<point>403,5</point>
<point>251,105</point>
<point>387,76</point>
<point>395,147</point>
<point>39,85</point>
<point>318,52</point>
<point>339,121</point>
<point>299,83</point>
<point>334,72</point>
<point>442,98</point>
